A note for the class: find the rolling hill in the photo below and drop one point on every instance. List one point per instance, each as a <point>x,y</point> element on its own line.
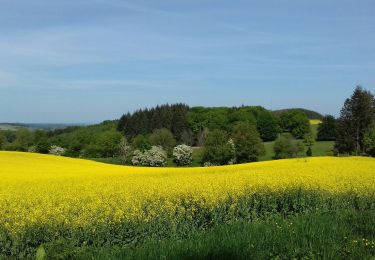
<point>72,204</point>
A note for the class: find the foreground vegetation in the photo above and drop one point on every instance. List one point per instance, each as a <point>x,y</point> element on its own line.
<point>345,234</point>
<point>55,202</point>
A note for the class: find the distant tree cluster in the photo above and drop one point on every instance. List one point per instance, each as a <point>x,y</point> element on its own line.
<point>228,135</point>
<point>309,113</point>
<point>242,145</point>
<point>97,141</point>
<point>353,132</point>
<point>202,119</point>
<point>295,122</point>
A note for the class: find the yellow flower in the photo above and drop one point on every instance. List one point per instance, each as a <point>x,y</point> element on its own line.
<point>73,193</point>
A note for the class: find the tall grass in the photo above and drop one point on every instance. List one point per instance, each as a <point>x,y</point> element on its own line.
<point>345,234</point>
<point>191,216</point>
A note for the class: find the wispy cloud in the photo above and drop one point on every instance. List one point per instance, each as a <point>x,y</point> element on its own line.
<point>156,50</point>
<point>135,6</point>
<point>107,85</point>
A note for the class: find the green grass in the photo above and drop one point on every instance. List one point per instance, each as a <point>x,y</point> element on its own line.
<point>323,148</point>
<point>257,226</point>
<point>314,130</point>
<point>321,235</point>
<point>110,160</point>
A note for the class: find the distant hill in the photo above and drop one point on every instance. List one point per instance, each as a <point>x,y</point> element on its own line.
<point>309,113</point>
<point>35,126</point>
<point>9,127</point>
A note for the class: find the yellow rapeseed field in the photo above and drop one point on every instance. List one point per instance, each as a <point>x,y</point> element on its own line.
<point>315,121</point>
<point>43,190</point>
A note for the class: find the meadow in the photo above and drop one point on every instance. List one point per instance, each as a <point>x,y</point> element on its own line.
<point>48,201</point>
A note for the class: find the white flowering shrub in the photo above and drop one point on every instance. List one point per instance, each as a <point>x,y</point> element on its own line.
<point>182,155</point>
<point>138,158</point>
<point>155,157</point>
<point>57,150</point>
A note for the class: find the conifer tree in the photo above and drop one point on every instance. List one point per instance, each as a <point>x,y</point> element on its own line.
<point>356,118</point>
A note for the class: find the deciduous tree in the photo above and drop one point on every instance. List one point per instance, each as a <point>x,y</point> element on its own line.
<point>164,138</point>
<point>295,122</point>
<point>218,150</point>
<point>247,143</point>
<point>287,147</point>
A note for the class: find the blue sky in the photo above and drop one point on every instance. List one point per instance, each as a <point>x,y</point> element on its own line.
<point>91,60</point>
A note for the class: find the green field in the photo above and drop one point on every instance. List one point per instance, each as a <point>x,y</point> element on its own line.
<point>323,148</point>
<point>7,127</point>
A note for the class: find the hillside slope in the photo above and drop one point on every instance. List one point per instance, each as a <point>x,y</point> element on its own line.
<point>46,198</point>
<point>309,113</point>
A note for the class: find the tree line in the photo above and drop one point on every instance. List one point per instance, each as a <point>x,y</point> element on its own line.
<point>190,125</point>
<point>227,135</point>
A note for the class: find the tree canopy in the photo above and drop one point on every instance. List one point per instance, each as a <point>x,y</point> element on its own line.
<point>218,149</point>
<point>247,142</point>
<point>295,122</point>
